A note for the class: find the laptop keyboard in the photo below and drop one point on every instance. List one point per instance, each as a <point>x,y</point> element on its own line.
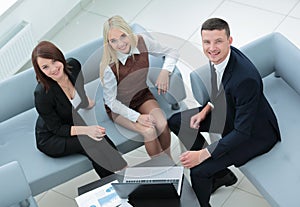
<point>174,181</point>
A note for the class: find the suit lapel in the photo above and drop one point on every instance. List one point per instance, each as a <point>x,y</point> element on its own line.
<point>226,76</point>
<point>228,70</point>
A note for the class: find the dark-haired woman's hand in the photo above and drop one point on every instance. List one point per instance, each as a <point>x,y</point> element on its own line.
<point>95,132</point>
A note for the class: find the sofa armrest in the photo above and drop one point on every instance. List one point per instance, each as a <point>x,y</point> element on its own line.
<point>201,85</point>
<point>17,94</point>
<point>275,53</point>
<point>15,188</point>
<point>176,92</point>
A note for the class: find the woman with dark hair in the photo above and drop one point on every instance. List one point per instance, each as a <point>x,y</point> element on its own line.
<point>59,94</point>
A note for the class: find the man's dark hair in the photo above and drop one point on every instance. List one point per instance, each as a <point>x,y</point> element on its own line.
<point>216,24</point>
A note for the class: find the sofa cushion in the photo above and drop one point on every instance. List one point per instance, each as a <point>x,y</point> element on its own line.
<point>276,174</point>
<point>17,143</point>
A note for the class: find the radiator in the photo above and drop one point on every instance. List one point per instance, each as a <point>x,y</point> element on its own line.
<point>15,49</point>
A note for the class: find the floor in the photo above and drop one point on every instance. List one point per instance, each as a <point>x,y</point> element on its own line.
<point>178,22</point>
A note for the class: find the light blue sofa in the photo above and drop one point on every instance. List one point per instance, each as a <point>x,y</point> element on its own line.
<point>14,191</point>
<point>276,174</point>
<point>18,117</point>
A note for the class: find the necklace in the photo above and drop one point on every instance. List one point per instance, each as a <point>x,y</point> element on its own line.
<point>68,88</point>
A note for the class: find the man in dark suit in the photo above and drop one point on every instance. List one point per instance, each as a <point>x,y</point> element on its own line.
<point>237,109</point>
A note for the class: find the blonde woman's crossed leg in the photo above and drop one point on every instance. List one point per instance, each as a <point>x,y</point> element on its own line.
<point>157,139</point>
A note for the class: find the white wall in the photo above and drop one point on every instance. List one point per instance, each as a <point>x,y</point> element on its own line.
<point>42,14</point>
<point>46,18</point>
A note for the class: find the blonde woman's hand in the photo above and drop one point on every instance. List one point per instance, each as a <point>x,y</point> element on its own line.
<point>162,82</point>
<point>146,120</point>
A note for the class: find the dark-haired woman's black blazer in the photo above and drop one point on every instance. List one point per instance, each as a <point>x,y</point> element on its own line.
<point>56,112</point>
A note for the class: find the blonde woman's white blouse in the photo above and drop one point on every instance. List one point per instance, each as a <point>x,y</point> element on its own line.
<point>110,83</point>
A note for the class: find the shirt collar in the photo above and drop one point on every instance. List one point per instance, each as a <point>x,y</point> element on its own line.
<point>123,57</point>
<point>221,66</point>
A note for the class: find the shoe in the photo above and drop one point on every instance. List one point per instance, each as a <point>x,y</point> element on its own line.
<point>227,180</point>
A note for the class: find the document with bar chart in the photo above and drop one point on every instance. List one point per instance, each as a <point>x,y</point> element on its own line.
<point>104,196</point>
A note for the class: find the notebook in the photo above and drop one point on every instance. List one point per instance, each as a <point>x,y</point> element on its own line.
<point>151,182</point>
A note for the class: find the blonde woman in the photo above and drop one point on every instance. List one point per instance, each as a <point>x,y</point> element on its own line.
<point>123,72</point>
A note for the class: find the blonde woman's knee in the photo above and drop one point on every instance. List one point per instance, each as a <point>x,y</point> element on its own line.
<point>149,134</point>
<point>161,125</point>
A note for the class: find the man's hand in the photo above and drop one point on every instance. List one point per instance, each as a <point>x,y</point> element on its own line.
<point>190,159</point>
<point>197,118</point>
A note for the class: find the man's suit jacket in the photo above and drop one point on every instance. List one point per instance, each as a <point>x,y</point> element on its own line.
<point>56,113</point>
<point>247,122</point>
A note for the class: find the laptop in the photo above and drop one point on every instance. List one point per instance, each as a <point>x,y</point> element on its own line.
<point>151,182</point>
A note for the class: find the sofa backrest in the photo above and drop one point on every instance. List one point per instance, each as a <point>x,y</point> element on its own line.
<point>275,53</point>
<point>272,53</point>
<point>17,94</point>
<point>287,61</point>
<point>17,91</point>
<point>259,52</point>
